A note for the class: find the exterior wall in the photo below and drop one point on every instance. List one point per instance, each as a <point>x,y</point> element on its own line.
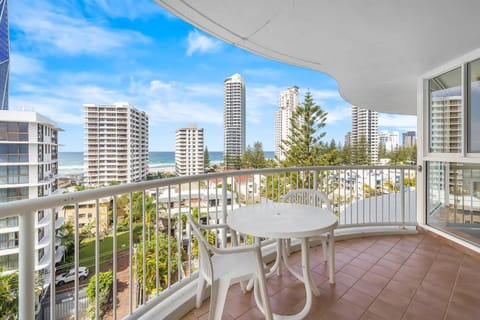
<point>87,214</point>
<point>28,169</point>
<point>287,103</point>
<point>189,151</point>
<point>409,139</point>
<point>234,120</point>
<point>116,144</point>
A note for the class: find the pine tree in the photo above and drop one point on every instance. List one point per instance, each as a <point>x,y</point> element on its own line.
<point>303,144</point>
<point>206,158</point>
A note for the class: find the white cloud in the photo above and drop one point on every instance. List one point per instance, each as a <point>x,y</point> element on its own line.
<point>402,122</point>
<point>55,31</point>
<point>197,42</point>
<point>338,113</point>
<point>259,100</point>
<point>131,9</point>
<point>21,64</point>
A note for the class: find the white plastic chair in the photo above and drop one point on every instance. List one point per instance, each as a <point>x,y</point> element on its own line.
<point>222,267</point>
<point>309,197</point>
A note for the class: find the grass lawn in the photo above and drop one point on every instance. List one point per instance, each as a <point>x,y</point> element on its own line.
<point>87,248</point>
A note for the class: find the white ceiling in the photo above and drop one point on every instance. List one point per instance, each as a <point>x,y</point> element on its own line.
<point>375,49</point>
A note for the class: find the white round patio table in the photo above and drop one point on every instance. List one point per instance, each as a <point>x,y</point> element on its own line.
<point>289,221</point>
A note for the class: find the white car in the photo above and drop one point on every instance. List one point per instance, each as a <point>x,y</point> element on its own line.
<point>70,276</point>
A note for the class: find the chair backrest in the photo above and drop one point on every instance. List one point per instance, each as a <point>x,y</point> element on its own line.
<point>204,249</point>
<point>309,197</point>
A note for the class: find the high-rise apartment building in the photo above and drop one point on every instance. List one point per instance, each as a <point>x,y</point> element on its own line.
<point>116,144</point>
<point>234,120</point>
<point>28,169</point>
<point>4,55</point>
<point>389,140</point>
<point>409,139</point>
<point>189,151</point>
<point>446,124</point>
<point>348,139</point>
<point>286,107</point>
<point>365,129</point>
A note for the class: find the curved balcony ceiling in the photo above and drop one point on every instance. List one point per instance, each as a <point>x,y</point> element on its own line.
<point>374,49</point>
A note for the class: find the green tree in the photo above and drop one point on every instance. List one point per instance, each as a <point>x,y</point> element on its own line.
<point>206,158</point>
<point>9,294</point>
<point>150,260</point>
<point>361,152</point>
<point>303,144</point>
<point>254,157</point>
<point>105,284</point>
<point>346,154</point>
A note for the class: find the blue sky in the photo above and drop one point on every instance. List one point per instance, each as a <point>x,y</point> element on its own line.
<point>67,53</point>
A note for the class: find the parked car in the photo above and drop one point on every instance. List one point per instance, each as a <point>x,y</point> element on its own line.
<point>70,276</point>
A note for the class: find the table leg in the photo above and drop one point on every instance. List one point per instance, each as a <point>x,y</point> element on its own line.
<point>331,257</point>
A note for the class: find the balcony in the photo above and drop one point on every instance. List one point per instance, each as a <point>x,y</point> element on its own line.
<point>393,271</point>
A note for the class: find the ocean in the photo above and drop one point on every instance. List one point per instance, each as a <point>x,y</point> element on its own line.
<point>72,162</point>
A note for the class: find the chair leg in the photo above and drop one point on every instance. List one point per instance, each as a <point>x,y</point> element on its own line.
<point>200,288</point>
<point>324,250</point>
<point>218,298</point>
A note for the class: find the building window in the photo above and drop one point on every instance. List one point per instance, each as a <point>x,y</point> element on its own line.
<point>9,262</point>
<point>13,174</point>
<point>12,194</point>
<point>453,203</point>
<point>9,222</point>
<point>9,240</point>
<point>13,152</point>
<point>445,112</point>
<point>473,89</point>
<point>13,131</point>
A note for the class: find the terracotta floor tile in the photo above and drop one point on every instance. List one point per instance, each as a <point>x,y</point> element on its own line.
<point>358,298</point>
<point>345,278</point>
<point>418,310</point>
<point>394,299</point>
<point>402,288</point>
<point>383,271</point>
<point>368,288</point>
<point>457,311</point>
<point>357,262</point>
<point>385,310</point>
<point>354,271</point>
<point>343,309</point>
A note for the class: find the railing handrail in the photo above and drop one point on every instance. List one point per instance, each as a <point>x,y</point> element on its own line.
<point>20,207</point>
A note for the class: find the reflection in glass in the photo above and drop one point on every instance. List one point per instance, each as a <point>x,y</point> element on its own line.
<point>453,198</point>
<point>445,112</point>
<point>474,106</point>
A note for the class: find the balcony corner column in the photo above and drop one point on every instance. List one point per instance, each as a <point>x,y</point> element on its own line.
<point>26,262</point>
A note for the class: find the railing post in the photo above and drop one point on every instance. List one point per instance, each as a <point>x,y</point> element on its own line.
<point>224,211</point>
<point>315,172</point>
<point>26,262</point>
<point>402,196</point>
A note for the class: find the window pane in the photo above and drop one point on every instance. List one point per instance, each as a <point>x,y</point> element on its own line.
<point>445,112</point>
<point>474,107</point>
<point>453,198</point>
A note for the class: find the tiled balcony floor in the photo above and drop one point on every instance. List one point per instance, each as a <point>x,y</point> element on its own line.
<point>394,277</point>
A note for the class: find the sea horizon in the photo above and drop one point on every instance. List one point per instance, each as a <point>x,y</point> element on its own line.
<point>71,162</point>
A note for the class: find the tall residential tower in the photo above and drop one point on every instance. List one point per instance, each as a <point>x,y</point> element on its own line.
<point>116,144</point>
<point>4,55</point>
<point>234,120</point>
<point>28,169</point>
<point>286,106</point>
<point>189,151</point>
<point>365,130</point>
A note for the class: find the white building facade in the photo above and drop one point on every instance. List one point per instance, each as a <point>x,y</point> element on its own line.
<point>116,144</point>
<point>28,169</point>
<point>286,107</point>
<point>234,120</point>
<point>365,125</point>
<point>189,152</point>
<point>390,140</point>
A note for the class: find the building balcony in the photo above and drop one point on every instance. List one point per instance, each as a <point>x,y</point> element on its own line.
<point>383,265</point>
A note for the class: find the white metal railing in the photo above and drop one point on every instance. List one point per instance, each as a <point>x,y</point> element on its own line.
<point>149,237</point>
